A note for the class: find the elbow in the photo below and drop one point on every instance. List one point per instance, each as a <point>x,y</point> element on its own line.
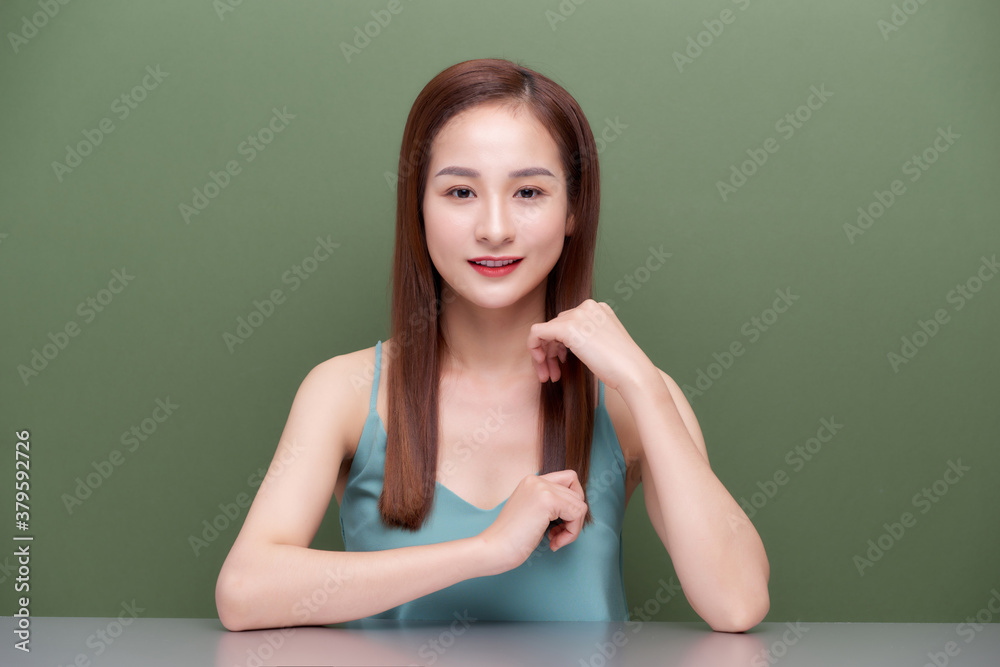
<point>230,592</point>
<point>743,616</point>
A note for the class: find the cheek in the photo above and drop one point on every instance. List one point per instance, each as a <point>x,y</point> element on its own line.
<point>440,217</point>
<point>434,241</point>
<point>553,227</point>
<point>441,238</point>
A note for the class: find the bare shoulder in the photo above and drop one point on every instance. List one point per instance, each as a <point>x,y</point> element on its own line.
<point>320,436</point>
<point>344,382</point>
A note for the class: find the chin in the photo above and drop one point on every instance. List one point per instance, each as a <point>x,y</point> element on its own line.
<point>498,303</point>
<point>505,298</point>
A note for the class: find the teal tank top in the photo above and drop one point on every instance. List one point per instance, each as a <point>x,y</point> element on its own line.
<point>583,581</point>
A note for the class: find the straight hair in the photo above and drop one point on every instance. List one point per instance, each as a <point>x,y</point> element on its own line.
<point>567,407</point>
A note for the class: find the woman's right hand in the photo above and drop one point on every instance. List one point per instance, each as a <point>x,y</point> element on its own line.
<point>525,517</point>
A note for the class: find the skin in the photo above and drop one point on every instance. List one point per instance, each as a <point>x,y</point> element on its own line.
<point>714,547</point>
<point>465,217</point>
<point>499,351</point>
<point>486,320</point>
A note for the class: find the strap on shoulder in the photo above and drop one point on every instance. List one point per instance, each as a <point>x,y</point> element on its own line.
<point>378,371</point>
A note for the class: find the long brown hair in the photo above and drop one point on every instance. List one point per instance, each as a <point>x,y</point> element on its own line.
<point>567,406</point>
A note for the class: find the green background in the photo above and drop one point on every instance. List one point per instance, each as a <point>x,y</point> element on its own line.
<point>681,130</point>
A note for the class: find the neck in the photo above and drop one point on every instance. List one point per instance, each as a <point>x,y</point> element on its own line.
<point>490,343</point>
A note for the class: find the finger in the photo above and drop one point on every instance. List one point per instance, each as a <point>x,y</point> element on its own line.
<point>537,353</point>
<point>551,364</point>
<point>555,528</point>
<point>554,371</point>
<point>554,538</point>
<point>566,478</point>
<point>568,531</point>
<point>538,336</point>
<point>571,512</point>
<point>541,369</point>
<point>538,360</point>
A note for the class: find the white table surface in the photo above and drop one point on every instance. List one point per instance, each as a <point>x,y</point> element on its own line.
<point>103,642</point>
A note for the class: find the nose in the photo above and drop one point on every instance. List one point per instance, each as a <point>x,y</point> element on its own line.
<point>495,224</point>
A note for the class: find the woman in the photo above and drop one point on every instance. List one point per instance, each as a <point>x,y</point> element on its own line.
<point>505,387</point>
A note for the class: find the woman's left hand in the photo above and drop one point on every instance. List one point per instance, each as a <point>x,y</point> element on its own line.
<point>596,336</point>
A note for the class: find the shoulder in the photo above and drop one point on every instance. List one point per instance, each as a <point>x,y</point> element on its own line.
<point>355,369</point>
<point>349,371</point>
<point>341,386</point>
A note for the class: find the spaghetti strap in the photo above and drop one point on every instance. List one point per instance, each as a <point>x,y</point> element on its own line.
<point>546,587</point>
<point>378,372</point>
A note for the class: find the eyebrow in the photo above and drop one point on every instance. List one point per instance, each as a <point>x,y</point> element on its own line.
<point>472,173</point>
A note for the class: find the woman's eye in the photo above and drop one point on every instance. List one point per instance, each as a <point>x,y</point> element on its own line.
<point>466,193</point>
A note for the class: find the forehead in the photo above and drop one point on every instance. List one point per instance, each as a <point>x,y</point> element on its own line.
<point>497,131</point>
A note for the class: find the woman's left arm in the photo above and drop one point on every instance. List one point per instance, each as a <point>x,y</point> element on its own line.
<point>717,554</point>
<point>716,551</point>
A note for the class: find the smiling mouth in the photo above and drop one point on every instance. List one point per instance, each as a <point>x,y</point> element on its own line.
<point>492,263</point>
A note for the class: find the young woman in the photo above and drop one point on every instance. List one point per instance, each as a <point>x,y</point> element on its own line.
<point>482,457</point>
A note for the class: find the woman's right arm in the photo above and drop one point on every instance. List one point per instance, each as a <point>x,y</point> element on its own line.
<point>271,578</point>
<point>283,584</point>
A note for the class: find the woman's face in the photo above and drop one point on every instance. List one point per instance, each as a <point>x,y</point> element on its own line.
<point>495,188</point>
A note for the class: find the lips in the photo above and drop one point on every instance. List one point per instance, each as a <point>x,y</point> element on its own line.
<point>498,268</point>
<point>495,258</point>
<point>498,262</point>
